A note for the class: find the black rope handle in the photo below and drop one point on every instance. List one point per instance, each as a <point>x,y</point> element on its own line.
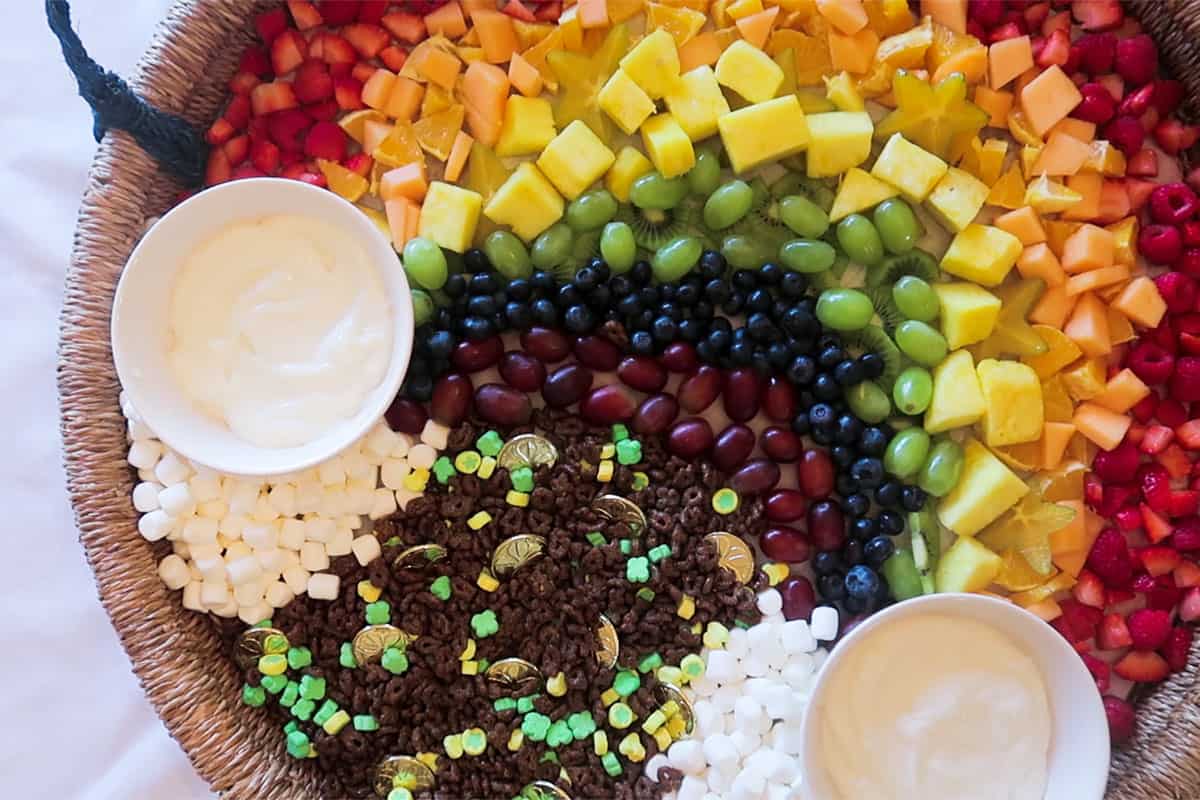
<point>169,138</point>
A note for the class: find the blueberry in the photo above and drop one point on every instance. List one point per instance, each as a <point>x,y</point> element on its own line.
<point>912,498</point>
<point>418,387</point>
<point>455,286</point>
<point>741,353</point>
<point>770,274</point>
<point>620,286</point>
<point>824,387</point>
<point>477,328</point>
<point>872,365</point>
<point>716,290</point>
<point>545,313</point>
<point>856,505</point>
<point>867,472</point>
<point>642,343</point>
<point>519,289</point>
<point>841,455</point>
<point>821,414</point>
<point>862,582</point>
<point>667,291</point>
<point>802,370</point>
<point>734,303</point>
<point>848,429</point>
<point>745,280</point>
<point>641,273</point>
<point>864,528</point>
<point>690,330</point>
<point>703,310</point>
<point>600,267</point>
<point>712,264</point>
<point>481,305</point>
<point>888,494</point>
<point>827,562</point>
<point>761,328</point>
<point>873,441</point>
<point>760,362</point>
<point>878,550</point>
<point>793,285</point>
<point>778,355</point>
<point>848,373</point>
<point>579,319</point>
<point>822,434</point>
<point>798,322</point>
<point>705,351</point>
<point>801,425</point>
<point>518,314</point>
<point>568,295</point>
<point>629,305</point>
<point>890,523</point>
<point>688,294</point>
<point>758,300</point>
<point>441,343</point>
<point>718,339</point>
<point>483,283</point>
<point>475,260</point>
<point>664,329</point>
<point>543,281</point>
<point>852,552</point>
<point>831,356</point>
<point>832,586</point>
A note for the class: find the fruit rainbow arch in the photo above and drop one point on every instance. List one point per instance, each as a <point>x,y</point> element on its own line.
<point>983,202</point>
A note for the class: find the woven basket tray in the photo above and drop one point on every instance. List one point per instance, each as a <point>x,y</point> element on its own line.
<point>174,651</point>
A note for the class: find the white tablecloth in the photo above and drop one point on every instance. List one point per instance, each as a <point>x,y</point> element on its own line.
<point>73,720</point>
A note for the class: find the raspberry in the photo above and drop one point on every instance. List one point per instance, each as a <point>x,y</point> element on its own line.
<point>1160,244</point>
<point>1173,204</point>
<point>1187,534</point>
<point>1189,262</point>
<point>1191,234</point>
<point>1117,464</point>
<point>1149,628</point>
<point>1096,52</point>
<point>1137,59</point>
<point>1168,94</point>
<point>1143,410</point>
<point>1121,720</point>
<point>1177,290</point>
<point>1163,594</point>
<point>1151,362</point>
<point>1097,106</point>
<point>1172,413</point>
<point>1100,670</point>
<point>1110,559</point>
<point>1175,649</point>
<point>1185,383</point>
<point>1126,133</point>
<point>988,13</point>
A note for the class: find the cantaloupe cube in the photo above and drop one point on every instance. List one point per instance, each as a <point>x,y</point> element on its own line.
<point>848,16</point>
<point>484,93</point>
<point>1057,232</point>
<point>702,50</point>
<point>378,89</point>
<point>1039,261</point>
<point>593,13</point>
<point>1062,155</point>
<point>996,104</point>
<point>1088,326</point>
<point>458,157</point>
<point>740,9</point>
<point>986,490</point>
<point>1089,186</point>
<point>951,13</point>
<point>957,399</point>
<point>527,202</point>
<point>1119,328</point>
<point>447,20</point>
<point>756,28</point>
<point>1101,425</point>
<point>1090,247</point>
<point>1053,307</point>
<point>398,210</point>
<point>1023,223</point>
<point>406,181</point>
<point>982,254</point>
<point>971,62</point>
<point>575,159</point>
<point>1080,129</point>
<point>1048,98</point>
<point>1055,438</point>
<point>1122,392</point>
<point>668,145</point>
<point>1114,201</point>
<point>438,66</point>
<point>404,99</point>
<point>496,35</point>
<point>1007,59</point>
<point>763,132</point>
<point>1141,302</point>
<point>853,52</point>
<point>524,76</point>
<point>1096,279</point>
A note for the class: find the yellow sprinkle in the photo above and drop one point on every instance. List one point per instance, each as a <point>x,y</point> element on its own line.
<point>609,696</point>
<point>312,752</point>
<point>662,738</point>
<point>272,664</point>
<point>477,521</point>
<point>670,709</point>
<point>515,740</point>
<point>339,720</point>
<point>631,747</point>
<point>515,498</point>
<point>599,743</point>
<point>686,608</point>
<point>369,591</point>
<point>428,759</point>
<point>697,628</point>
<point>604,472</point>
<point>620,716</point>
<point>775,572</point>
<point>669,674</point>
<point>486,467</point>
<point>416,480</point>
<point>675,726</point>
<point>487,581</point>
<point>453,745</point>
<point>470,668</point>
<point>608,451</point>
<point>557,685</point>
<point>468,652</point>
<point>715,635</point>
<point>466,463</point>
<point>655,721</point>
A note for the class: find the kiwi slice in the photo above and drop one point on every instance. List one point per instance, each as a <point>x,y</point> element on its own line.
<point>584,247</point>
<point>874,339</point>
<point>915,262</point>
<point>815,190</point>
<point>885,306</point>
<point>652,228</point>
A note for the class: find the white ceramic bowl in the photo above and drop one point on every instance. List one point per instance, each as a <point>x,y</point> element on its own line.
<point>140,326</point>
<point>1079,747</point>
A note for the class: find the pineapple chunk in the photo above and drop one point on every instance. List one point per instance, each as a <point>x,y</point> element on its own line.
<point>985,490</point>
<point>966,566</point>
<point>629,166</point>
<point>957,198</point>
<point>575,159</point>
<point>957,399</point>
<point>763,132</point>
<point>841,91</point>
<point>624,102</point>
<point>668,145</point>
<point>697,103</point>
<point>528,126</point>
<point>449,216</point>
<point>1012,396</point>
<point>982,254</point>
<point>857,192</point>
<point>911,169</point>
<point>968,313</point>
<point>653,63</point>
<point>526,202</point>
<point>838,141</point>
<point>749,71</point>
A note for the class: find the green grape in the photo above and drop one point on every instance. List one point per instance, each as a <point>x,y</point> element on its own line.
<point>921,342</point>
<point>807,255</point>
<point>591,210</point>
<point>900,572</point>
<point>803,216</point>
<point>673,260</point>
<point>745,252</point>
<point>552,247</point>
<point>425,263</point>
<point>617,247</point>
<point>942,468</point>
<point>860,240</point>
<point>653,191</point>
<point>728,204</point>
<point>869,402</point>
<point>898,226</point>
<point>704,177</point>
<point>844,309</point>
<point>915,298</point>
<point>507,254</point>
<point>913,390</point>
<point>423,307</point>
<point>906,452</point>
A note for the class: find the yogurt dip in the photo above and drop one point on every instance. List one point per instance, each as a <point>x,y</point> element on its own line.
<point>937,707</point>
<point>279,328</point>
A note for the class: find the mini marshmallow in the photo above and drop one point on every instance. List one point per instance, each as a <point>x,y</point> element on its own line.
<point>271,560</point>
<point>263,510</point>
<point>421,456</point>
<point>405,496</point>
<point>212,568</point>
<point>724,698</point>
<point>331,472</point>
<point>231,526</point>
<point>228,611</point>
<point>309,495</point>
<point>145,496</point>
<point>692,788</point>
<point>720,749</point>
<point>789,738</point>
<point>755,666</point>
<point>313,557</point>
<point>703,686</point>
<point>319,529</point>
<point>283,499</point>
<point>342,543</point>
<point>824,623</point>
<point>213,509</point>
<point>261,536</point>
<point>366,549</point>
<point>350,521</point>
<point>746,712</point>
<point>687,756</point>
<point>176,500</point>
<point>279,594</point>
<point>393,472</point>
<point>361,500</point>
<point>745,742</point>
<point>244,570</point>
<point>213,593</point>
<point>296,577</point>
<point>759,637</point>
<point>191,596</point>
<point>404,443</point>
<point>138,430</point>
<point>380,441</point>
<point>333,502</point>
<point>250,594</point>
<point>708,719</point>
<point>435,435</point>
<point>653,765</point>
<point>252,615</point>
<point>738,644</point>
<point>383,504</point>
<point>720,779</point>
<point>292,534</point>
<point>147,475</point>
<point>799,671</point>
<point>797,637</point>
<point>155,526</point>
<point>198,530</point>
<point>323,586</point>
<point>770,602</point>
<point>174,572</point>
<point>181,549</point>
<point>355,464</point>
<point>722,667</point>
<point>144,454</point>
<point>205,487</point>
<point>171,469</point>
<point>244,497</point>
<point>233,550</point>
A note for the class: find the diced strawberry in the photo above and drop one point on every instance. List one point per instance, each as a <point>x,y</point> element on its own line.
<point>288,158</point>
<point>1174,137</point>
<point>517,10</point>
<point>1093,489</point>
<point>1110,559</point>
<point>300,172</point>
<point>256,61</point>
<point>371,11</point>
<point>1155,439</point>
<point>1077,622</point>
<point>326,140</point>
<point>270,24</point>
<point>1155,484</point>
<point>217,170</point>
<point>312,82</point>
<point>1143,411</point>
<point>1161,593</point>
<point>243,83</point>
<point>337,50</point>
<point>1168,94</point>
<point>368,40</point>
<point>247,170</point>
<point>363,71</point>
<point>1116,497</point>
<point>549,12</point>
<point>1139,191</point>
<point>1128,519</point>
<point>348,94</point>
<point>1189,434</point>
<point>1174,460</point>
<point>324,111</point>
<point>1172,412</point>
<point>237,113</point>
<point>1117,464</point>
<point>360,163</point>
<point>1089,590</point>
<point>219,132</point>
<point>1187,574</point>
<point>236,149</point>
<point>1142,667</point>
<point>1035,15</point>
<point>1184,503</point>
<point>1118,596</point>
<point>1100,670</point>
<point>393,57</point>
<point>1175,649</point>
<point>339,12</point>
<point>288,128</point>
<point>305,14</point>
<point>288,51</point>
<point>1189,606</point>
<point>271,98</point>
<point>406,27</point>
<point>265,156</point>
<point>1159,560</point>
<point>1113,633</point>
<point>1187,534</point>
<point>342,70</point>
<point>1122,722</point>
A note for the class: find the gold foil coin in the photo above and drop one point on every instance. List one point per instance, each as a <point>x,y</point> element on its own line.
<point>619,509</point>
<point>251,645</point>
<point>513,673</point>
<point>665,692</point>
<point>371,641</point>
<point>608,644</point>
<point>385,775</point>
<point>515,552</point>
<point>418,556</point>
<point>733,554</point>
<point>526,450</point>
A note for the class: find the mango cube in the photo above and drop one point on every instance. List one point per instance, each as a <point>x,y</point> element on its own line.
<point>911,169</point>
<point>653,63</point>
<point>967,312</point>
<point>966,566</point>
<point>763,132</point>
<point>449,216</point>
<point>668,145</point>
<point>749,71</point>
<point>575,159</point>
<point>957,199</point>
<point>528,126</point>
<point>697,103</point>
<point>629,166</point>
<point>1012,396</point>
<point>982,254</point>
<point>624,102</point>
<point>527,202</point>
<point>986,489</point>
<point>957,399</point>
<point>859,191</point>
<point>838,140</point>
